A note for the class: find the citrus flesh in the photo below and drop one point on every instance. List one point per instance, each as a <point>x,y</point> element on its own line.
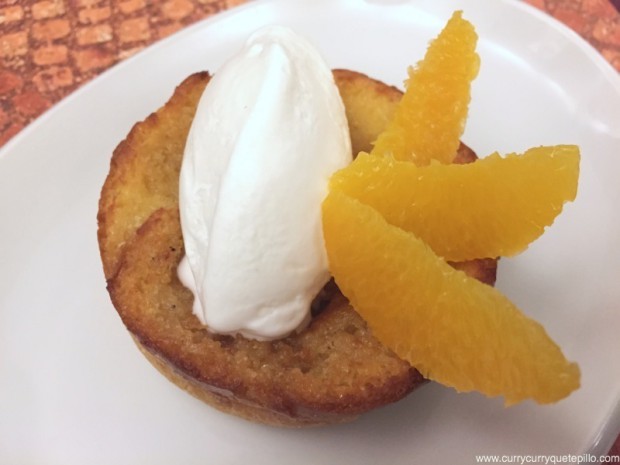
<point>495,206</point>
<point>452,328</point>
<point>430,118</point>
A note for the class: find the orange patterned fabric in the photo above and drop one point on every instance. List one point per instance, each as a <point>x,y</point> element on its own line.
<point>597,21</point>
<point>48,48</point>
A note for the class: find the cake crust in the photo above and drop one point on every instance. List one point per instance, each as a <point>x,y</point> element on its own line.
<point>331,372</point>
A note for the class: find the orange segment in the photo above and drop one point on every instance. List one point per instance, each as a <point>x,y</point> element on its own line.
<point>452,328</point>
<point>493,207</point>
<point>430,118</point>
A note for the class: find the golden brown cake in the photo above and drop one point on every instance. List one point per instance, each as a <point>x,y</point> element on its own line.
<point>331,372</point>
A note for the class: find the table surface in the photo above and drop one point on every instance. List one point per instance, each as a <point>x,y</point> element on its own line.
<point>49,48</point>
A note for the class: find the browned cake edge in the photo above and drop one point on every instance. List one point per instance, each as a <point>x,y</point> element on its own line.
<point>115,228</point>
<point>226,401</point>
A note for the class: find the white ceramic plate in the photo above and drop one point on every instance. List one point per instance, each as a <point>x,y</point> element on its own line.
<point>73,387</point>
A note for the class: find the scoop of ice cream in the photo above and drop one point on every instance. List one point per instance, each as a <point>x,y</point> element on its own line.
<point>268,132</point>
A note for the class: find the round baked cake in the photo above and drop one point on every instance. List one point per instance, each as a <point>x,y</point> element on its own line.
<point>332,371</point>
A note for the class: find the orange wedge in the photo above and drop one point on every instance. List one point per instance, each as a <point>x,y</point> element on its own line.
<point>493,207</point>
<point>430,117</point>
<point>452,328</point>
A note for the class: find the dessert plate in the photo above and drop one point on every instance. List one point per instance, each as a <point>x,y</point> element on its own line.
<point>74,389</point>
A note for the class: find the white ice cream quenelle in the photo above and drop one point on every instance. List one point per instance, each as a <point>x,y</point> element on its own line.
<point>269,131</point>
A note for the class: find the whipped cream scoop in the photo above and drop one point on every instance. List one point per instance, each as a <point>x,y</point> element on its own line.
<point>269,131</point>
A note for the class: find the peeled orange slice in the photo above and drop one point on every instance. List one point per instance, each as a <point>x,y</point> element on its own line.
<point>493,207</point>
<point>430,117</point>
<point>452,328</point>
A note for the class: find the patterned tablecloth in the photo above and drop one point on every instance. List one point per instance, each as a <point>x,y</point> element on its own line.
<point>48,48</point>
